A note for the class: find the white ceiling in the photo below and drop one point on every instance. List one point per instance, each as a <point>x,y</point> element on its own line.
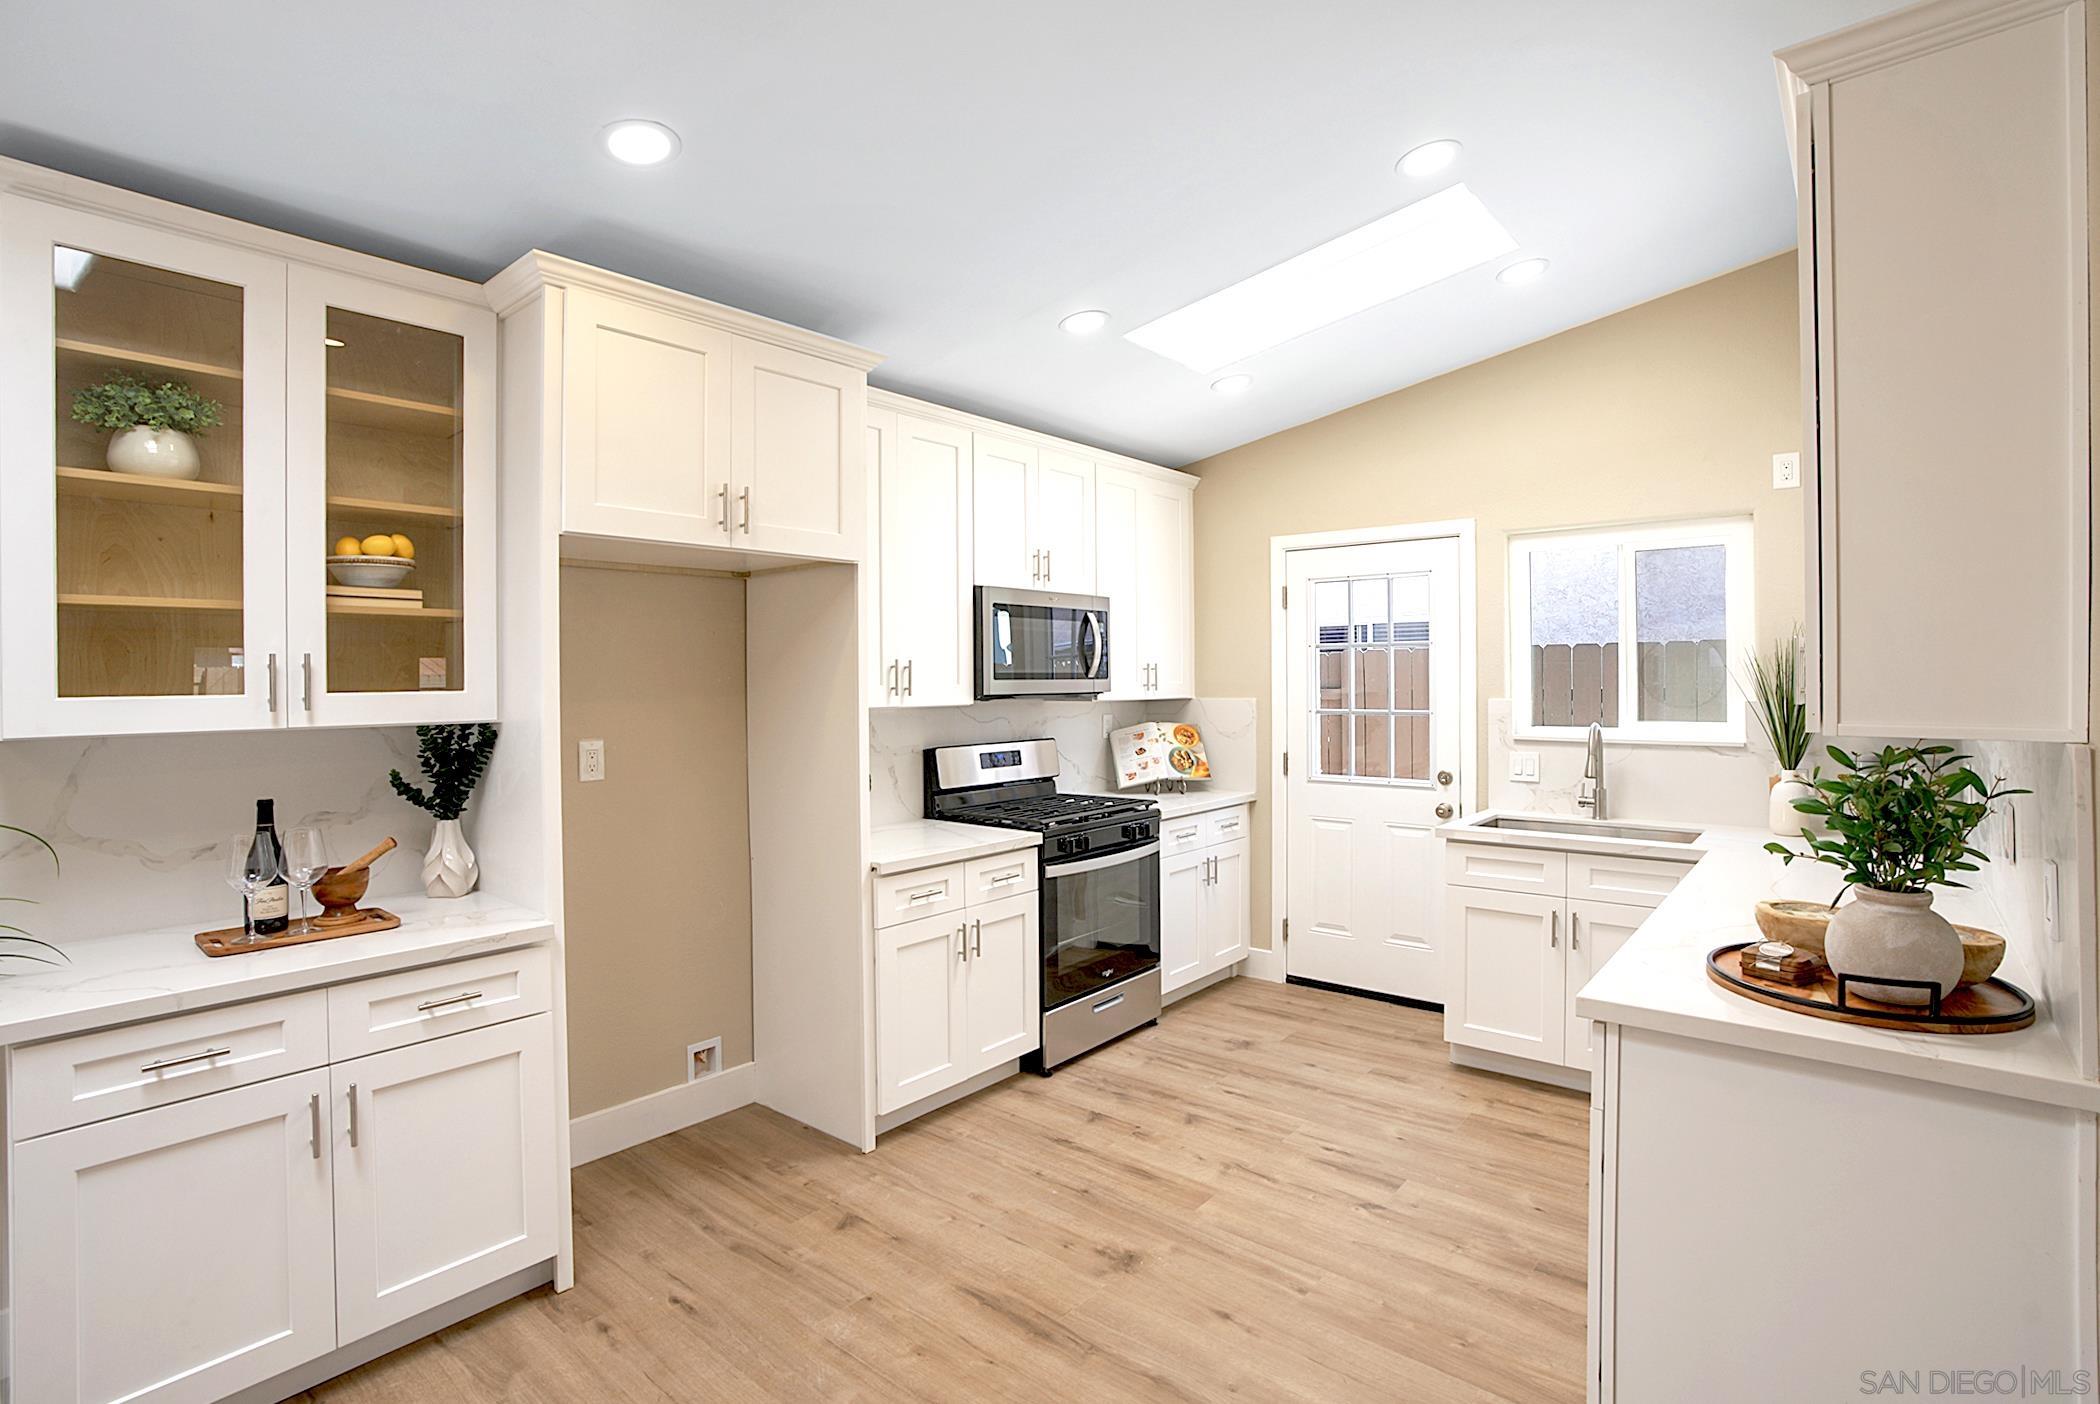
<point>941,180</point>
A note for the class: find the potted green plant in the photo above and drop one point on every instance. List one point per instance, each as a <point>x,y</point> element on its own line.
<point>155,427</point>
<point>1775,700</point>
<point>12,937</point>
<point>1897,823</point>
<point>453,758</point>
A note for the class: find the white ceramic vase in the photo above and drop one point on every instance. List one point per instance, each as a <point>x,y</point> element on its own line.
<point>1785,820</point>
<point>153,453</point>
<point>449,869</point>
<point>1894,934</point>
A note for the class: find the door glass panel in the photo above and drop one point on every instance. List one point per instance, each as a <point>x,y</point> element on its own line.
<point>148,480</point>
<point>1680,614</point>
<point>1371,705</point>
<point>394,506</point>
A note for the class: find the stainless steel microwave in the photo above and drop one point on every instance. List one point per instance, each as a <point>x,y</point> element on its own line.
<point>1031,643</point>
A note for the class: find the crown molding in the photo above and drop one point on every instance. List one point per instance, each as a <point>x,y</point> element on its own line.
<point>538,270</point>
<point>1907,34</point>
<point>978,424</point>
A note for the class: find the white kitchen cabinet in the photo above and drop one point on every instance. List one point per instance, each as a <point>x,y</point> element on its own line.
<point>795,462</point>
<point>1144,530</point>
<point>1941,169</point>
<point>1225,911</point>
<point>1002,991</point>
<point>1117,576</point>
<point>1063,521</point>
<point>178,1254</point>
<point>1002,493</point>
<point>143,603</point>
<point>1596,930</point>
<point>920,1023</point>
<point>444,1170</point>
<point>1183,878</point>
<point>1204,919</point>
<point>925,636</point>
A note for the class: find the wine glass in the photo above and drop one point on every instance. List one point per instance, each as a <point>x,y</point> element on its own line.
<point>249,869</point>
<point>305,859</point>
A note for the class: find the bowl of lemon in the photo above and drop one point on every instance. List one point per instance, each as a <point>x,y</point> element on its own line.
<point>380,561</point>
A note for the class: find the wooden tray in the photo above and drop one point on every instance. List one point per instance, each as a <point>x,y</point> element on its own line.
<point>228,942</point>
<point>1994,1006</point>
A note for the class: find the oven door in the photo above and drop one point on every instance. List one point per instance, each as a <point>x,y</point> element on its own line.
<point>1031,643</point>
<point>1100,922</point>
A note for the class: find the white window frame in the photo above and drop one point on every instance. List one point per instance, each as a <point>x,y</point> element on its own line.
<point>1734,534</point>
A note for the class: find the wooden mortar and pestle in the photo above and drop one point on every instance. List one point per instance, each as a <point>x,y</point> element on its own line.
<point>339,890</point>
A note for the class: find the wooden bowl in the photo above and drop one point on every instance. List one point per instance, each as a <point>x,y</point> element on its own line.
<point>339,893</point>
<point>1799,924</point>
<point>1981,953</point>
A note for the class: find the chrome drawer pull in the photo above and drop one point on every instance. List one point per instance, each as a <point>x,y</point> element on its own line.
<point>976,939</point>
<point>353,1116</point>
<point>1107,1004</point>
<point>1003,881</point>
<point>429,1004</point>
<point>158,1063</point>
<point>926,894</point>
<point>313,1109</point>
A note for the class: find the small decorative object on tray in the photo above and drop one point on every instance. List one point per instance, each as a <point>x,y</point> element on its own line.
<point>1782,964</point>
<point>1799,924</point>
<point>1154,751</point>
<point>1982,952</point>
<point>338,891</point>
<point>1994,1006</point>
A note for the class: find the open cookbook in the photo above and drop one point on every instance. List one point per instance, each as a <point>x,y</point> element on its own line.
<point>1154,751</point>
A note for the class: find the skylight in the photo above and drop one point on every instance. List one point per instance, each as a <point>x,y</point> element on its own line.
<point>1390,257</point>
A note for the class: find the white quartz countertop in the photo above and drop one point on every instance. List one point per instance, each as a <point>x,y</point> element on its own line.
<point>1182,806</point>
<point>1658,981</point>
<point>117,979</point>
<point>927,843</point>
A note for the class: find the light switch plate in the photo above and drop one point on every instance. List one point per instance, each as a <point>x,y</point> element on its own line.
<point>1524,767</point>
<point>590,759</point>
<point>1786,470</point>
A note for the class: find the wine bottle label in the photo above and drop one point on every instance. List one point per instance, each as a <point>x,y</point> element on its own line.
<point>270,903</point>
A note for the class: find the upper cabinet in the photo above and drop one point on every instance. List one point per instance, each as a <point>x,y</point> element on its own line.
<point>1941,167</point>
<point>685,423</point>
<point>1145,527</point>
<point>317,546</point>
<point>1034,513</point>
<point>922,630</point>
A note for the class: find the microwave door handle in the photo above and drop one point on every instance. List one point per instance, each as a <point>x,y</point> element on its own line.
<point>1092,623</point>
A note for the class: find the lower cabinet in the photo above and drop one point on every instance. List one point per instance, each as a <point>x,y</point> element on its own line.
<point>1596,930</point>
<point>956,994</point>
<point>1203,916</point>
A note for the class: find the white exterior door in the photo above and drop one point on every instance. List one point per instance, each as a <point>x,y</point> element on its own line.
<point>1003,484</point>
<point>926,567</point>
<point>645,423</point>
<point>1508,972</point>
<point>1372,689</point>
<point>1596,930</point>
<point>444,1170</point>
<point>1182,879</point>
<point>1064,521</point>
<point>920,1023</point>
<point>1225,912</point>
<point>796,450</point>
<point>179,1254</point>
<point>1003,1007</point>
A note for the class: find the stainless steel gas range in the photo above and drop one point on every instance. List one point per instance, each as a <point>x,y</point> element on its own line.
<point>1099,889</point>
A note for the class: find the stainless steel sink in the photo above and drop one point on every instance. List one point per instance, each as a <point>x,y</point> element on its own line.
<point>1589,828</point>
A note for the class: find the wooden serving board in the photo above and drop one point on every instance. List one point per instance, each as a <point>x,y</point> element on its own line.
<point>1994,1006</point>
<point>228,942</point>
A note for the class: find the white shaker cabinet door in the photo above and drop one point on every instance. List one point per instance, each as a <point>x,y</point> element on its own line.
<point>1225,915</point>
<point>1166,587</point>
<point>1116,576</point>
<point>444,1170</point>
<point>1506,991</point>
<point>926,567</point>
<point>1596,930</point>
<point>1064,521</point>
<point>1181,903</point>
<point>175,1255</point>
<point>919,1012</point>
<point>1003,1005</point>
<point>1003,501</point>
<point>796,458</point>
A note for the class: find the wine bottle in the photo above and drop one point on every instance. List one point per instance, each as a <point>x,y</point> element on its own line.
<point>269,910</point>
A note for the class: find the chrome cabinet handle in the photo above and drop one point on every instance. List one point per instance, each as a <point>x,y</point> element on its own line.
<point>976,939</point>
<point>1047,577</point>
<point>893,679</point>
<point>353,1116</point>
<point>962,943</point>
<point>1555,939</point>
<point>1574,931</point>
<point>1188,833</point>
<point>178,1060</point>
<point>1004,880</point>
<point>273,682</point>
<point>744,498</point>
<point>306,670</point>
<point>1035,567</point>
<point>925,894</point>
<point>313,1111</point>
<point>722,492</point>
<point>907,677</point>
<point>447,1002</point>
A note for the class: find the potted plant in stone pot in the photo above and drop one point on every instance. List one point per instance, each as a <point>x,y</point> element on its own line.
<point>1897,822</point>
<point>1774,689</point>
<point>452,758</point>
<point>155,426</point>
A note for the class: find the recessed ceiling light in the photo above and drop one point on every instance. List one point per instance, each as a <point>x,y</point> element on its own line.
<point>1085,323</point>
<point>1427,159</point>
<point>69,266</point>
<point>1407,250</point>
<point>1528,270</point>
<point>1231,384</point>
<point>640,143</point>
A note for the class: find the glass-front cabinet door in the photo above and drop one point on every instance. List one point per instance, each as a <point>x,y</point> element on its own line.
<point>141,478</point>
<point>390,555</point>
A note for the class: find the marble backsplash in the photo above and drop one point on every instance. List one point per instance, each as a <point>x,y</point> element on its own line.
<point>898,736</point>
<point>138,821</point>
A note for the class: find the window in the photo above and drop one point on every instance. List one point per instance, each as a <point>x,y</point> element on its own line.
<point>1634,628</point>
<point>1370,661</point>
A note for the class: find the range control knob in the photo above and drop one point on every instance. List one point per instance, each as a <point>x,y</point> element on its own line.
<point>1064,845</point>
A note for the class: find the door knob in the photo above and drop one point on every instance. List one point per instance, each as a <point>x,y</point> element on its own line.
<point>1443,777</point>
<point>1443,811</point>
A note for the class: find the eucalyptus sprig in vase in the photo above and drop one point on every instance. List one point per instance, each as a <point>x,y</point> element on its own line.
<point>453,758</point>
<point>1897,824</point>
<point>1774,689</point>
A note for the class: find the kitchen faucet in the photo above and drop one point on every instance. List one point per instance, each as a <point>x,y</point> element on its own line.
<point>1592,795</point>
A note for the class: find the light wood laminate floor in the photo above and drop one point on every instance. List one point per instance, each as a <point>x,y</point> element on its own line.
<point>1278,1194</point>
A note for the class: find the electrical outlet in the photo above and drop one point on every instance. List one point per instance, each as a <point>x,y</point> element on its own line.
<point>1524,767</point>
<point>1786,470</point>
<point>703,1059</point>
<point>590,759</point>
<point>2051,925</point>
<point>1108,724</point>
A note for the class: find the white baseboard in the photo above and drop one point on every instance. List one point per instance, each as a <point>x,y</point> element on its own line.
<point>1264,965</point>
<point>1553,1074</point>
<point>601,1133</point>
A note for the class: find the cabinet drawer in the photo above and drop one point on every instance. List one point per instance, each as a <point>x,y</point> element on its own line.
<point>1182,835</point>
<point>1639,882</point>
<point>1224,826</point>
<point>1506,869</point>
<point>393,1011</point>
<point>1001,875</point>
<point>927,892</point>
<point>94,1076</point>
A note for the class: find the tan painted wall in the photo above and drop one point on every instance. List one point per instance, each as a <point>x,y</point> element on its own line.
<point>657,856</point>
<point>1670,409</point>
